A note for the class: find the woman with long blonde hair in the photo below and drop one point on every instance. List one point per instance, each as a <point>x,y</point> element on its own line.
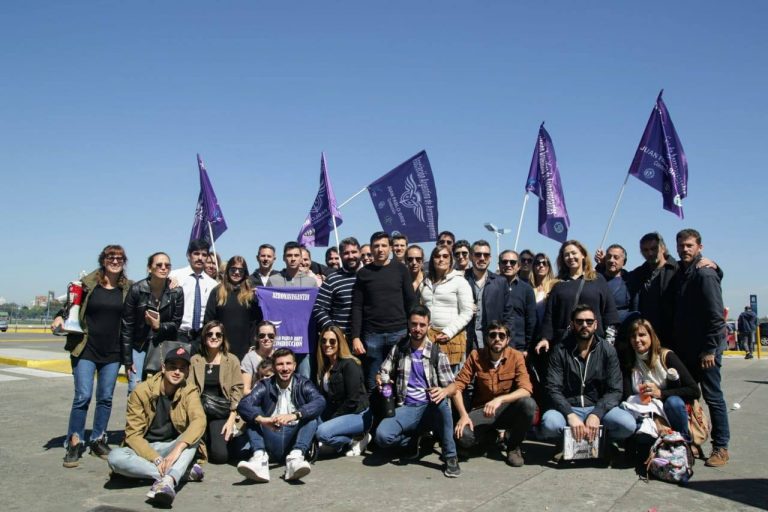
<point>347,417</point>
<point>234,304</point>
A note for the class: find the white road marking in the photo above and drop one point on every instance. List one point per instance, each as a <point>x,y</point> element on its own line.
<point>34,372</point>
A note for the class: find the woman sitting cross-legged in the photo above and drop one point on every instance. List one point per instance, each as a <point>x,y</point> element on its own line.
<point>347,417</point>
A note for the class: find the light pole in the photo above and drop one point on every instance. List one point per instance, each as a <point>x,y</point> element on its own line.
<point>493,229</point>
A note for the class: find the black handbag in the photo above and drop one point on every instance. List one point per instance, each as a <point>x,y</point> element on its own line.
<point>215,407</point>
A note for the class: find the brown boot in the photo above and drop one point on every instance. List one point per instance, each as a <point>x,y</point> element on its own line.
<point>718,458</point>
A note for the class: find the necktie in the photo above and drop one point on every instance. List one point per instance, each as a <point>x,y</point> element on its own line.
<point>198,304</point>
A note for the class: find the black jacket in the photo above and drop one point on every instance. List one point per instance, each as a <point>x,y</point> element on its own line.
<point>573,382</point>
<point>497,303</point>
<point>237,319</point>
<point>523,314</point>
<point>134,331</point>
<point>562,300</point>
<point>699,324</point>
<point>263,399</point>
<point>653,296</point>
<point>346,390</point>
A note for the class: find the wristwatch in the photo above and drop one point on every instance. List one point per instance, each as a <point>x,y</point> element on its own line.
<point>298,415</point>
<point>158,461</point>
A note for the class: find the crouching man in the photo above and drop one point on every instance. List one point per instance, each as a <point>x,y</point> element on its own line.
<point>281,413</point>
<point>502,394</point>
<point>164,423</point>
<point>423,380</point>
<point>584,384</point>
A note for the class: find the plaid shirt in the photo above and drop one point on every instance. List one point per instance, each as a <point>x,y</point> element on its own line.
<point>443,378</point>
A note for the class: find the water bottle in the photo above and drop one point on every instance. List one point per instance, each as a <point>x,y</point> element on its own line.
<point>388,396</point>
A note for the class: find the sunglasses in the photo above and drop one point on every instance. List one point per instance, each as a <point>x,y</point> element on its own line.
<point>269,335</point>
<point>366,255</point>
<point>585,321</point>
<point>461,254</point>
<point>216,335</point>
<point>114,259</point>
<point>497,335</point>
<point>482,255</point>
<point>442,256</point>
<point>541,263</point>
<point>510,263</point>
<point>527,260</point>
<point>236,270</point>
<point>162,265</point>
<point>415,259</point>
<point>444,242</point>
<point>329,341</point>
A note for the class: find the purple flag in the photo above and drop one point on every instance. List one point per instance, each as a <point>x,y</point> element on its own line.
<point>317,228</point>
<point>207,211</point>
<point>406,200</point>
<point>544,181</point>
<point>660,160</point>
<point>290,310</point>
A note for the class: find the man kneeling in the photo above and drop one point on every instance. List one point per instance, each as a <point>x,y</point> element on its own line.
<point>164,423</point>
<point>584,384</point>
<point>502,394</point>
<point>281,413</point>
<point>423,379</point>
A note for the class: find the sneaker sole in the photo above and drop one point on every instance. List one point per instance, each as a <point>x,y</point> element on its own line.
<point>163,499</point>
<point>299,474</point>
<point>71,464</point>
<point>451,475</point>
<point>250,474</point>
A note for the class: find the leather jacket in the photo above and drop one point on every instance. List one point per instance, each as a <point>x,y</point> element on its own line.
<point>134,331</point>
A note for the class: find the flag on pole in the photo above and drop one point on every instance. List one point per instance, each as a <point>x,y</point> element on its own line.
<point>208,211</point>
<point>660,160</point>
<point>316,230</point>
<point>405,200</point>
<point>544,182</point>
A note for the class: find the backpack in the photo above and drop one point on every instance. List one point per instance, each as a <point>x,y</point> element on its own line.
<point>671,459</point>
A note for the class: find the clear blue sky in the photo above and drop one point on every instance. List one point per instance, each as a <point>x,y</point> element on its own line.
<point>104,105</point>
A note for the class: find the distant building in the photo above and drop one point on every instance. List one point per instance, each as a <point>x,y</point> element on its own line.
<point>40,301</point>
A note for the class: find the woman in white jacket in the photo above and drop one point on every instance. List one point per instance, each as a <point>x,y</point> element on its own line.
<point>448,296</point>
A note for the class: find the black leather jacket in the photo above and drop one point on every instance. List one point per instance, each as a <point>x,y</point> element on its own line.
<point>134,331</point>
<point>346,390</point>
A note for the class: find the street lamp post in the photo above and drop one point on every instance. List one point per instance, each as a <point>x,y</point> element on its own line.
<point>498,232</point>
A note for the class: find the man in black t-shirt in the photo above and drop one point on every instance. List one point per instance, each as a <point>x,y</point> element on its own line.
<point>164,423</point>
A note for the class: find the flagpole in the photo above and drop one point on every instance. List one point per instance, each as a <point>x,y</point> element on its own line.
<point>213,245</point>
<point>520,224</point>
<point>351,198</point>
<point>336,234</point>
<point>613,214</point>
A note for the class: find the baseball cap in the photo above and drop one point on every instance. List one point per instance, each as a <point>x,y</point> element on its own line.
<point>177,353</point>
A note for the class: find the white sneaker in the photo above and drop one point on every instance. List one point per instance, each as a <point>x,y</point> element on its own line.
<point>357,448</point>
<point>296,467</point>
<point>256,468</point>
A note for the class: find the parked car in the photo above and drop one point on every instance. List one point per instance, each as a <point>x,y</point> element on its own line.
<point>3,324</point>
<point>764,334</point>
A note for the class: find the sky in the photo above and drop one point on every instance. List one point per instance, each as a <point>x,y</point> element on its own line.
<point>105,104</point>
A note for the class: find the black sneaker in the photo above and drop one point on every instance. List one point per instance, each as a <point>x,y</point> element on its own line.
<point>452,469</point>
<point>100,449</point>
<point>72,457</point>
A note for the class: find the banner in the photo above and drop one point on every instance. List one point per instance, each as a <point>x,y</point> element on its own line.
<point>660,160</point>
<point>290,310</point>
<point>316,230</point>
<point>207,211</point>
<point>405,200</point>
<point>544,182</point>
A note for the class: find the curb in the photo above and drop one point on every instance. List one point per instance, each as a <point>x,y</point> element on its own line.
<point>51,365</point>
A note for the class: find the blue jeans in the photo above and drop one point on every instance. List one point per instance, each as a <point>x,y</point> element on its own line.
<point>619,424</point>
<point>124,461</point>
<point>409,420</point>
<point>138,363</point>
<point>83,372</point>
<point>677,414</point>
<point>302,365</point>
<point>712,392</point>
<point>279,443</point>
<point>339,431</point>
<point>377,347</point>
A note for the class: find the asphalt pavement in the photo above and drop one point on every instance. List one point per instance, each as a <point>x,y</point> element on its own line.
<point>35,406</point>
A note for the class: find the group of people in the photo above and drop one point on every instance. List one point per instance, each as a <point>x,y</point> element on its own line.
<point>405,348</point>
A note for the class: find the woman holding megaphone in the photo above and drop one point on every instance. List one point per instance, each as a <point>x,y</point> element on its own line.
<point>94,347</point>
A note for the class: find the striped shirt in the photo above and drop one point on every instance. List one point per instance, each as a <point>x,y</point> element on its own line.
<point>333,305</point>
